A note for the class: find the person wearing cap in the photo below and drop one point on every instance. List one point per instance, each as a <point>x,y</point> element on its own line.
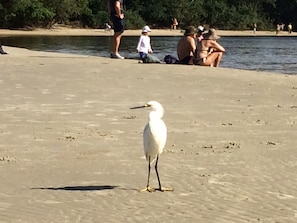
<point>209,52</point>
<point>144,43</point>
<point>199,33</point>
<point>186,46</point>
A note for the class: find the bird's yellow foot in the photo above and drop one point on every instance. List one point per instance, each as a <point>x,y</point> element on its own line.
<point>149,189</point>
<point>162,189</point>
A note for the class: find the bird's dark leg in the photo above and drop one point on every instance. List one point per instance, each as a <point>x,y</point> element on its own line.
<point>156,168</point>
<point>148,188</point>
<point>149,172</point>
<point>160,187</point>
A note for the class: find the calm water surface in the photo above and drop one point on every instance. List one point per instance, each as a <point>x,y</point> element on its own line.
<point>272,54</point>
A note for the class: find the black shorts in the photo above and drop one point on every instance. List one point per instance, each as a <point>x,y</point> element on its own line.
<point>118,24</point>
<point>185,60</point>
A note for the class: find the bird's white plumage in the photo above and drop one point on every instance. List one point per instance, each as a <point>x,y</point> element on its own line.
<point>154,139</point>
<point>155,132</point>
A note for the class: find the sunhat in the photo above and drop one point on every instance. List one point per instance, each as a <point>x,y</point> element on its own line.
<point>211,34</point>
<point>190,30</point>
<point>200,28</point>
<point>146,29</point>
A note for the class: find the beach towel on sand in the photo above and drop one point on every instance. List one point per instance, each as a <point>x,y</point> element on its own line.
<point>151,59</point>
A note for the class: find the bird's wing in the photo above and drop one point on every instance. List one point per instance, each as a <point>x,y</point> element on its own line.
<point>148,142</point>
<point>159,133</point>
<point>154,139</point>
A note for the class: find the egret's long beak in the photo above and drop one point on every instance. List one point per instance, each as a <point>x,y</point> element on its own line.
<point>143,106</point>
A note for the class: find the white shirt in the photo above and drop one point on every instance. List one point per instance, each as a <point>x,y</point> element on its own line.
<point>144,44</point>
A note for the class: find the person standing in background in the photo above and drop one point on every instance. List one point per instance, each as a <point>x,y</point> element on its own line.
<point>278,28</point>
<point>116,13</point>
<point>174,24</point>
<point>290,28</point>
<point>255,28</point>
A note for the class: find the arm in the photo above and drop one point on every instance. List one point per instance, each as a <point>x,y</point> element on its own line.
<point>192,46</point>
<point>217,47</point>
<point>139,44</point>
<point>150,46</point>
<point>118,9</point>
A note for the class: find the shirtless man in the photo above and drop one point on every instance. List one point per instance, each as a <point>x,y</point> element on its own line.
<point>186,46</point>
<point>209,51</point>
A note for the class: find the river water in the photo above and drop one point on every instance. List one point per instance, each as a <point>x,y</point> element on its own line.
<point>276,54</point>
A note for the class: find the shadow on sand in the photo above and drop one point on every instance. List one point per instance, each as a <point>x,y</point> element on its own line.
<point>78,188</point>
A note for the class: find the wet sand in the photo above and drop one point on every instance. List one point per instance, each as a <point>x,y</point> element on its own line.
<point>71,150</point>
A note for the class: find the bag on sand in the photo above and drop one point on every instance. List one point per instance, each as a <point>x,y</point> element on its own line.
<point>151,59</point>
<point>168,59</point>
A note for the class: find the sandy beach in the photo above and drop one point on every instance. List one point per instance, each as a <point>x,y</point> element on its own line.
<point>66,31</point>
<point>71,149</point>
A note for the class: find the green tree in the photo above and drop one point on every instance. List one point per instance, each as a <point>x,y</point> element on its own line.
<point>224,14</point>
<point>135,21</point>
<point>23,13</point>
<point>189,12</point>
<point>286,12</point>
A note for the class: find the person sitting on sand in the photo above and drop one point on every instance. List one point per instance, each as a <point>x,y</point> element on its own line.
<point>186,46</point>
<point>209,51</point>
<point>144,43</point>
<point>200,33</point>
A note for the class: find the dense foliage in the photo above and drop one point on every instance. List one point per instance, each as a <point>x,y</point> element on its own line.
<point>225,14</point>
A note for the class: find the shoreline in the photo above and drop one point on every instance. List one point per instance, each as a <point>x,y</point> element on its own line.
<point>63,31</point>
<point>20,51</point>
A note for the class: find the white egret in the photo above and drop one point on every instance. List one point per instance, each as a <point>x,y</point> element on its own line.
<point>154,139</point>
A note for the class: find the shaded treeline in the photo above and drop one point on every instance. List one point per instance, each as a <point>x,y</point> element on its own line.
<point>225,14</point>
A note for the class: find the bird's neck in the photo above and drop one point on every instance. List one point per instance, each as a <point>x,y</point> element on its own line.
<point>155,115</point>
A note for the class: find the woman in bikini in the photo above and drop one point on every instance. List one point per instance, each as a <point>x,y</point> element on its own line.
<point>209,52</point>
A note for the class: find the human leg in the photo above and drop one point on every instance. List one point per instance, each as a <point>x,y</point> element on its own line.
<point>118,26</point>
<point>218,59</point>
<point>187,60</point>
<point>116,42</point>
<point>214,58</point>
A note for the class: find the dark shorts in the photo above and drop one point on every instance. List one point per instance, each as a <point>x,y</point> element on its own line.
<point>186,60</point>
<point>118,24</point>
<point>142,55</point>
